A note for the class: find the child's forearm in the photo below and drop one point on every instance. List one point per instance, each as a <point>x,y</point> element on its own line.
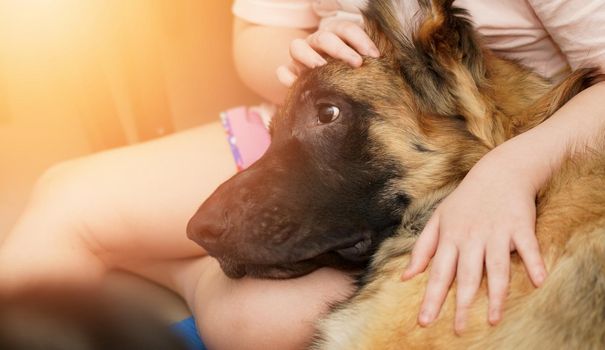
<point>538,152</point>
<point>258,51</point>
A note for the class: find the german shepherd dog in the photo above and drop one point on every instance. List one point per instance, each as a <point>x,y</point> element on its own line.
<point>361,157</point>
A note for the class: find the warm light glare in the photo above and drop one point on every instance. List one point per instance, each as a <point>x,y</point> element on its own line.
<point>79,76</point>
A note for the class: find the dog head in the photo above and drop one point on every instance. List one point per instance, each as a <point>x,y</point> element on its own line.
<point>353,150</point>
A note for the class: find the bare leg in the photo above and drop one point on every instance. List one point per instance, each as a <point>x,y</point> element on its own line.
<point>250,313</point>
<point>91,214</point>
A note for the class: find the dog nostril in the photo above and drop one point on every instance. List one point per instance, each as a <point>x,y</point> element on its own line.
<point>212,231</point>
<point>207,235</point>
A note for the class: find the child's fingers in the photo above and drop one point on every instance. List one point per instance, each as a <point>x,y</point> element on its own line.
<point>440,279</point>
<point>285,76</point>
<point>527,247</point>
<point>424,249</point>
<point>468,278</point>
<point>497,264</point>
<point>333,46</point>
<point>301,51</point>
<point>357,38</point>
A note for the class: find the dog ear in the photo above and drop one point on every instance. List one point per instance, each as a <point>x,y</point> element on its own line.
<point>389,24</point>
<point>438,55</point>
<point>446,63</point>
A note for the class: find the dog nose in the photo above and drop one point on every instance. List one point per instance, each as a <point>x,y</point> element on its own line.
<point>207,226</point>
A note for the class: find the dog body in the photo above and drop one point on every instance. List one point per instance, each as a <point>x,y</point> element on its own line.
<point>567,312</point>
<point>361,157</point>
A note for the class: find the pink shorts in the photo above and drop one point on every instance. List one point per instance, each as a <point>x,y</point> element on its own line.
<point>247,133</point>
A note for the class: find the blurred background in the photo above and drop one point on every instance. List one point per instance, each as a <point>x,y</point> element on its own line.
<point>80,76</point>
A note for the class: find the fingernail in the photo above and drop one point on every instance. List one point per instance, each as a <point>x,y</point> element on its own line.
<point>285,76</point>
<point>459,326</point>
<point>425,317</point>
<point>407,273</point>
<point>540,276</point>
<point>374,52</point>
<point>494,317</point>
<point>320,62</point>
<point>355,61</point>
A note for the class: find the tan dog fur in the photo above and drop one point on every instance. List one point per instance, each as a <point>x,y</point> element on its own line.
<point>498,100</point>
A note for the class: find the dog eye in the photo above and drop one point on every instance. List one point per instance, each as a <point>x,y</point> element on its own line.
<point>327,113</point>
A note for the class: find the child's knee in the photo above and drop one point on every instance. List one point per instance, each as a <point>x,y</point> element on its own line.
<point>68,184</point>
<point>47,242</point>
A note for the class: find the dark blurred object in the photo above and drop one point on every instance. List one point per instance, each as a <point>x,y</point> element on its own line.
<point>80,319</point>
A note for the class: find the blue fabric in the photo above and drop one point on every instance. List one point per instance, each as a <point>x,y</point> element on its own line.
<point>187,330</point>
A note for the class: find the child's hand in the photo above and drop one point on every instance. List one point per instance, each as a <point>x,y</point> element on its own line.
<point>343,40</point>
<point>489,215</point>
